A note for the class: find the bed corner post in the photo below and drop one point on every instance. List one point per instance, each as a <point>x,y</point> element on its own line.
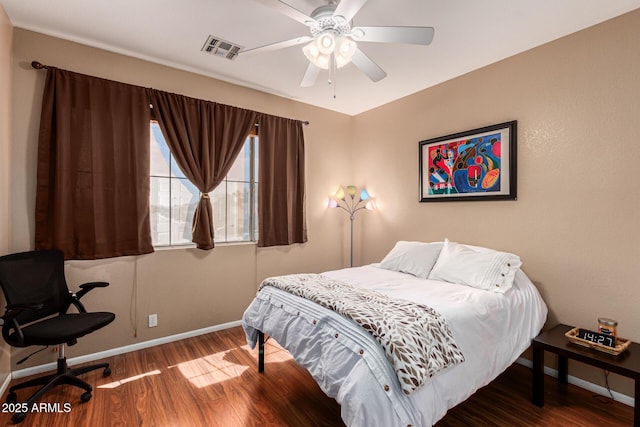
<point>260,351</point>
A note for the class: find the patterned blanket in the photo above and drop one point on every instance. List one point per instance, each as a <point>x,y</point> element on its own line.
<point>415,338</point>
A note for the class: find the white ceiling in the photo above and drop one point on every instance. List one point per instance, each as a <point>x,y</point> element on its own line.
<point>469,34</point>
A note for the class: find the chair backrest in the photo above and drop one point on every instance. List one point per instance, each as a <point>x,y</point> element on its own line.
<point>36,277</point>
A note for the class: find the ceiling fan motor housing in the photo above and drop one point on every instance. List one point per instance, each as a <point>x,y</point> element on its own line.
<point>325,22</point>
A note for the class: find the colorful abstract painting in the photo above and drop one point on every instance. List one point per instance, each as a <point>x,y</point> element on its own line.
<point>466,166</point>
<point>469,164</point>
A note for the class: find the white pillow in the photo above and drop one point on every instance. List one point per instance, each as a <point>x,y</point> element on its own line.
<point>415,258</point>
<point>480,268</point>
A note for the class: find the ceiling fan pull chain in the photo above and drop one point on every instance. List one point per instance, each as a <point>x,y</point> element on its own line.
<point>333,79</point>
<point>332,73</point>
<point>332,67</point>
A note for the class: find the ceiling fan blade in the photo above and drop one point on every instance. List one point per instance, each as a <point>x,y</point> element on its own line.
<point>310,76</point>
<point>348,8</point>
<point>367,66</point>
<point>289,11</point>
<point>276,46</point>
<point>410,35</point>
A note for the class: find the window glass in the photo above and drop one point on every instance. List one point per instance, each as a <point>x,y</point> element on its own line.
<point>219,203</point>
<point>160,154</point>
<point>160,211</point>
<point>241,169</point>
<point>238,206</point>
<point>184,200</point>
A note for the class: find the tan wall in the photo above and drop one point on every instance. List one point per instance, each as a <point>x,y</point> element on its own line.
<point>6,41</point>
<point>575,223</point>
<point>188,288</point>
<point>6,71</point>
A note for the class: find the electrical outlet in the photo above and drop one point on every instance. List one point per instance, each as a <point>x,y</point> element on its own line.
<point>153,320</point>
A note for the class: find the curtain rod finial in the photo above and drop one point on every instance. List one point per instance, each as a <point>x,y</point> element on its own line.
<point>37,65</point>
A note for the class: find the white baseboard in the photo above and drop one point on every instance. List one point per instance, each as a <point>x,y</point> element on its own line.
<point>121,350</point>
<point>5,384</point>
<point>618,397</point>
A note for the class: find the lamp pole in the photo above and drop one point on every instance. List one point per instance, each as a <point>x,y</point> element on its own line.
<point>345,198</point>
<point>351,242</point>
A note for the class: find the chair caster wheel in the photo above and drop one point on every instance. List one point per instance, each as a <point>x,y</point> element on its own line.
<point>18,417</point>
<point>11,398</point>
<point>106,372</point>
<point>85,397</point>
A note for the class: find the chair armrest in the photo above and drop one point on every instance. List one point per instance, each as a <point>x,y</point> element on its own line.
<point>12,310</point>
<point>86,287</point>
<point>9,319</point>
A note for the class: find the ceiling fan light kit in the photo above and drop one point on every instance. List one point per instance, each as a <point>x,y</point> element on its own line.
<point>345,48</point>
<point>333,42</point>
<point>319,51</point>
<point>326,43</point>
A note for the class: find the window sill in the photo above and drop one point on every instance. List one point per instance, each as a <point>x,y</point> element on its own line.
<point>192,246</point>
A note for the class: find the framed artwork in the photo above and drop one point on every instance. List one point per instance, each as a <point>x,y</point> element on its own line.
<point>479,164</point>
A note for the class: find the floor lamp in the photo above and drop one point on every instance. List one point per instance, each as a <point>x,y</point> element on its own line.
<point>345,198</point>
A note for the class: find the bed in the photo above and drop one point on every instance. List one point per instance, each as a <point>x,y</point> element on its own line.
<point>490,328</point>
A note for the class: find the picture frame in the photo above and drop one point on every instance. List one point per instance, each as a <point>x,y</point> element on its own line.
<point>475,165</point>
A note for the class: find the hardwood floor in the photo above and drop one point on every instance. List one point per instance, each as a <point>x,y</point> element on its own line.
<point>212,380</point>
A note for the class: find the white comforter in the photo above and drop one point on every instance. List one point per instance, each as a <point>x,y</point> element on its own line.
<point>491,329</point>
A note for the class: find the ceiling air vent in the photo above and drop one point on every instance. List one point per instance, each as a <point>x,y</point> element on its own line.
<point>222,48</point>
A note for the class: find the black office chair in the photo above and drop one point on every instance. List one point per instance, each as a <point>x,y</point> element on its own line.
<point>38,298</point>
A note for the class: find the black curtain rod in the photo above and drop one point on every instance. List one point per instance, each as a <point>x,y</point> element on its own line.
<point>39,66</point>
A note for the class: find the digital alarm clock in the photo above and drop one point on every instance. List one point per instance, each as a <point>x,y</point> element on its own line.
<point>596,337</point>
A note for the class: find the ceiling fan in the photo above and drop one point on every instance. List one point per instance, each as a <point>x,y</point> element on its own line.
<point>333,41</point>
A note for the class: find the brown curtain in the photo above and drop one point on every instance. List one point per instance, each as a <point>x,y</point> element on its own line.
<point>281,204</point>
<point>205,138</point>
<point>92,196</point>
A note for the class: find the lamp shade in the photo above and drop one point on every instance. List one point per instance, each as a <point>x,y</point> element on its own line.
<point>345,48</point>
<point>326,43</point>
<point>319,52</point>
<point>351,198</point>
<point>314,55</point>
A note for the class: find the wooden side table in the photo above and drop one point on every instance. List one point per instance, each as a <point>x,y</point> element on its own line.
<point>626,364</point>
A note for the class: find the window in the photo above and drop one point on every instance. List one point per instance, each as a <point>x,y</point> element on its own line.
<point>174,199</point>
